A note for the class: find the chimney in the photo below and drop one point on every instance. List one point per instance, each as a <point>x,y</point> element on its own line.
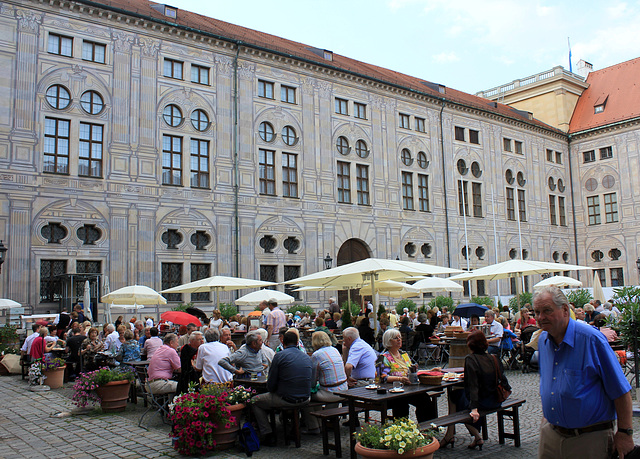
<point>584,68</point>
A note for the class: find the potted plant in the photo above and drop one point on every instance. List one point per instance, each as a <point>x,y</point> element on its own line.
<point>396,439</point>
<point>208,420</point>
<point>107,386</point>
<point>53,370</point>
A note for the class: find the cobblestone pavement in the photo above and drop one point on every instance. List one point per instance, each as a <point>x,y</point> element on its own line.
<point>28,430</point>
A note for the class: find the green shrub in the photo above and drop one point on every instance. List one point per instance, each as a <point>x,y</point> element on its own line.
<point>381,310</point>
<point>488,302</point>
<point>525,297</point>
<point>349,310</point>
<point>628,321</point>
<point>442,302</point>
<point>182,307</point>
<point>228,310</point>
<point>405,303</point>
<point>579,297</point>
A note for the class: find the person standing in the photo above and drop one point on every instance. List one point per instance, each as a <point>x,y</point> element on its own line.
<point>333,306</point>
<point>582,386</point>
<point>275,321</point>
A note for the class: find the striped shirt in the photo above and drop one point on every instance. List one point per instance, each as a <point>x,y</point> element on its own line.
<point>277,319</point>
<point>329,369</point>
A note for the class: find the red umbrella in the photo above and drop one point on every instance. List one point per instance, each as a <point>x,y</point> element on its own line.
<point>42,322</point>
<point>180,318</point>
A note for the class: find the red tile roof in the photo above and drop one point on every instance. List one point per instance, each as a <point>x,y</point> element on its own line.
<point>618,87</point>
<point>254,38</point>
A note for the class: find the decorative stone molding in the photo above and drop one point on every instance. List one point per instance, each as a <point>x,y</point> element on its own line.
<point>149,47</point>
<point>122,41</point>
<point>28,21</point>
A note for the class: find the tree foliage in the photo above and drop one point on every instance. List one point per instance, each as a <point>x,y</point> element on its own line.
<point>228,310</point>
<point>579,297</point>
<point>442,302</point>
<point>302,308</point>
<point>628,300</point>
<point>487,301</point>
<point>405,303</point>
<point>525,297</point>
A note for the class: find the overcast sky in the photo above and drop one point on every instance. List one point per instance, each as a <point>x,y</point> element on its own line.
<point>468,45</point>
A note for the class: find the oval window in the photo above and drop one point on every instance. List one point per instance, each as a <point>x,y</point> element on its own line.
<point>407,160</point>
<point>266,131</point>
<point>343,145</point>
<point>91,102</point>
<point>172,115</point>
<point>58,97</point>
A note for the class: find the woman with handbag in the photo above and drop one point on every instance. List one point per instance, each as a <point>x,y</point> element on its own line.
<point>485,387</point>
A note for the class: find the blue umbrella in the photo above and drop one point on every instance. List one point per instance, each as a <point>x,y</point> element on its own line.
<point>469,309</point>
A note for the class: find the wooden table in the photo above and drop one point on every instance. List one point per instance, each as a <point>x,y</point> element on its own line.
<point>380,401</point>
<point>259,384</point>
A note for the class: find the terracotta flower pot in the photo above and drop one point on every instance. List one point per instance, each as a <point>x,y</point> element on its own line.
<point>55,377</point>
<point>114,396</point>
<point>224,437</point>
<point>424,452</point>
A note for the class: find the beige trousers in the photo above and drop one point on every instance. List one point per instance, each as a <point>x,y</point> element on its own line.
<point>592,445</point>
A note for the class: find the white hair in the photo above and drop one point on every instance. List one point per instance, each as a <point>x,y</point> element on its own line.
<point>390,334</point>
<point>263,333</point>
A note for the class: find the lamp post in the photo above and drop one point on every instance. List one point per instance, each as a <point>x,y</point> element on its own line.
<point>328,262</point>
<point>3,254</point>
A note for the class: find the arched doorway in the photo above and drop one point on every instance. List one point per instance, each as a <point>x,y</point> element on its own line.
<point>351,250</point>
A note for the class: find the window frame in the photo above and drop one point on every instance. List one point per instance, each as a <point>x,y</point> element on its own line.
<point>474,136</point>
<point>404,121</point>
<point>341,106</point>
<point>610,207</point>
<point>265,133</point>
<point>518,147</point>
<point>267,165</point>
<point>92,102</point>
<point>288,94</point>
<point>459,130</point>
<point>606,152</point>
<point>420,124</point>
<point>93,46</point>
<point>175,71</point>
<point>289,135</point>
<point>511,203</point>
<point>90,159</point>
<point>522,205</point>
<point>562,211</point>
<point>463,206</point>
<point>58,167</point>
<point>344,182</point>
<point>593,210</point>
<point>199,175</point>
<point>200,70</point>
<point>506,145</point>
<point>589,156</point>
<point>199,123</point>
<point>362,152</point>
<point>266,89</point>
<point>289,175</point>
<point>553,218</point>
<point>57,98</point>
<point>171,154</point>
<point>342,145</point>
<point>362,185</point>
<point>476,199</point>
<point>360,110</point>
<point>407,191</point>
<point>169,118</point>
<point>60,47</point>
<point>423,193</point>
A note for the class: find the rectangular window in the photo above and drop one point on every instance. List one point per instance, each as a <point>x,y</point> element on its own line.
<point>420,125</point>
<point>459,133</point>
<point>171,277</point>
<point>291,272</point>
<point>56,145</point>
<point>288,94</point>
<point>474,137</point>
<point>407,191</point>
<point>593,207</point>
<point>404,121</point>
<point>589,156</point>
<point>552,210</point>
<point>173,69</point>
<point>199,74</point>
<point>50,280</point>
<point>518,147</point>
<point>265,89</point>
<point>94,52</point>
<point>199,163</point>
<point>463,199</point>
<point>511,205</point>
<point>506,144</point>
<point>466,286</point>
<point>90,150</point>
<point>610,208</point>
<point>342,106</point>
<point>61,45</point>
<point>171,160</point>
<point>423,192</point>
<point>606,153</point>
<point>362,177</point>
<point>360,110</point>
<point>617,277</point>
<point>481,291</point>
<point>200,271</point>
<point>561,211</point>
<point>602,275</point>
<point>549,155</point>
<point>267,172</point>
<point>476,193</point>
<point>269,273</point>
<point>344,182</point>
<point>289,175</point>
<point>522,206</point>
<point>558,157</point>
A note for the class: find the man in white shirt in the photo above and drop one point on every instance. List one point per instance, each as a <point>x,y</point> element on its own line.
<point>112,337</point>
<point>149,322</point>
<point>26,347</point>
<point>496,332</point>
<point>459,322</point>
<point>209,354</point>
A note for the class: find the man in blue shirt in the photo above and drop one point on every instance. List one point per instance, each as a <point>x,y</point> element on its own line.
<point>289,385</point>
<point>360,365</point>
<point>582,386</point>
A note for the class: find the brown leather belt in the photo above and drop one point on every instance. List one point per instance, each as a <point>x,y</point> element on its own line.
<point>339,383</point>
<point>584,430</point>
<point>157,379</point>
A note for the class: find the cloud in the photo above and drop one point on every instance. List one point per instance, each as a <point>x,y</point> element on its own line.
<point>446,58</point>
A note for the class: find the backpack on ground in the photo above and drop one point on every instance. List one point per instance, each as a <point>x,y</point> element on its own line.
<point>248,439</point>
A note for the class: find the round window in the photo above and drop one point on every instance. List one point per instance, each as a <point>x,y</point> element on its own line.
<point>58,97</point>
<point>423,162</point>
<point>521,180</point>
<point>608,181</point>
<point>343,145</point>
<point>591,184</point>
<point>560,185</point>
<point>200,120</point>
<point>552,184</point>
<point>407,160</point>
<point>172,115</point>
<point>508,175</point>
<point>266,132</point>
<point>475,169</point>
<point>361,149</point>
<point>462,167</point>
<point>91,102</point>
<point>289,136</point>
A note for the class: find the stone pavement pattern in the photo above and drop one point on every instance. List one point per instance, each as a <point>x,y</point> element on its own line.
<point>27,429</point>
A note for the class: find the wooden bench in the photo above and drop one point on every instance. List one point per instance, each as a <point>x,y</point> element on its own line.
<point>509,409</point>
<point>330,419</point>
